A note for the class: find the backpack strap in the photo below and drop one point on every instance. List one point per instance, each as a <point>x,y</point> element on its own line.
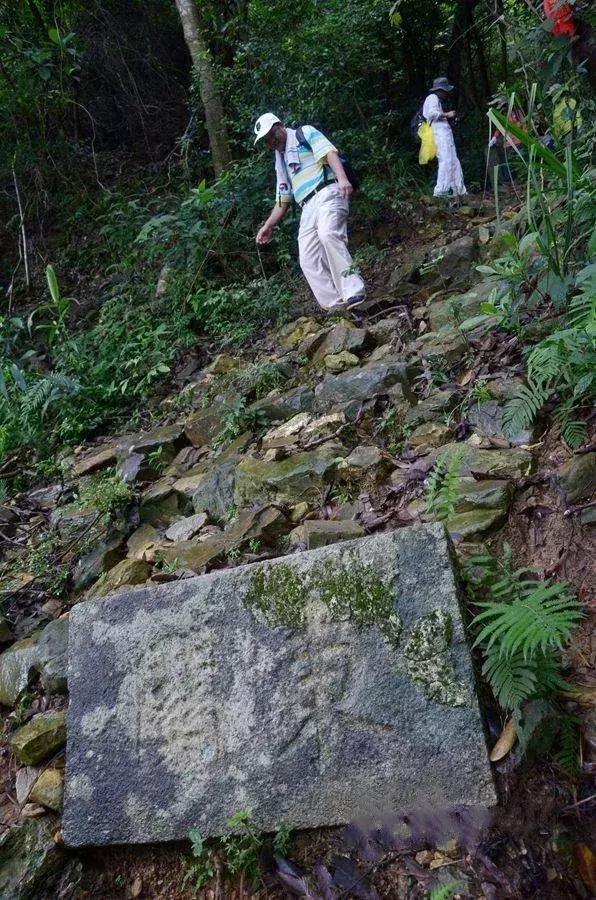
<point>301,139</point>
<point>304,143</point>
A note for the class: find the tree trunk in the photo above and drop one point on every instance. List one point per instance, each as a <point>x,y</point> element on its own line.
<point>460,39</point>
<point>214,114</point>
<point>500,10</point>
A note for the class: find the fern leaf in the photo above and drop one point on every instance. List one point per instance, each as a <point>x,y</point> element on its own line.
<point>521,411</point>
<point>43,393</point>
<point>445,891</point>
<point>573,431</point>
<point>544,363</point>
<point>515,678</point>
<point>441,495</point>
<point>549,680</point>
<point>582,311</point>
<point>575,434</point>
<point>585,385</point>
<point>568,756</point>
<point>535,622</point>
<point>512,678</point>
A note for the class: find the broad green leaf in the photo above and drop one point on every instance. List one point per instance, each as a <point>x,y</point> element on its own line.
<point>474,322</point>
<point>53,284</point>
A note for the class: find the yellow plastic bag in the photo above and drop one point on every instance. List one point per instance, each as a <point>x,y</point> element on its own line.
<point>428,148</point>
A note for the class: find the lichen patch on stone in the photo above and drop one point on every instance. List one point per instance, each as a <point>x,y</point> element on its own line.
<point>427,660</point>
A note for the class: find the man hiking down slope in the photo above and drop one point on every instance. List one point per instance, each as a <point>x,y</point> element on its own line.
<point>308,168</point>
<point>450,179</point>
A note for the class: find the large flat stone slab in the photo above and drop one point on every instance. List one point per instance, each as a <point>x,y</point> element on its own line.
<point>190,701</point>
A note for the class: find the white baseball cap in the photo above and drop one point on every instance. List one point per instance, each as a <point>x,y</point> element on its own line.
<point>264,124</point>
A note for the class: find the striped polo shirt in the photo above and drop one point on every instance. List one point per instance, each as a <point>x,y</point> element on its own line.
<point>303,181</point>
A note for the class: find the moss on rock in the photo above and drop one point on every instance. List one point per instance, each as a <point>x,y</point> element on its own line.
<point>279,593</point>
<point>282,595</point>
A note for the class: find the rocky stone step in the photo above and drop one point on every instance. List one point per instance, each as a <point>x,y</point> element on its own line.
<point>313,689</point>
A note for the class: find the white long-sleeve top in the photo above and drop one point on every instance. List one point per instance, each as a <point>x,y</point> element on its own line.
<point>432,110</point>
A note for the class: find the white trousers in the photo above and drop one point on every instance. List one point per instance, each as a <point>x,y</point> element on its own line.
<point>323,247</point>
<point>450,177</point>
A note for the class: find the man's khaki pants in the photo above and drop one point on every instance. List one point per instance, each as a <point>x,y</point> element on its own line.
<point>323,245</point>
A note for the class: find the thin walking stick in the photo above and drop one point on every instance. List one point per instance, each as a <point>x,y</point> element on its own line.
<point>261,262</point>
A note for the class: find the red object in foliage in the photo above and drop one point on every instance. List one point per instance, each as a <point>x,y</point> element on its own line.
<point>562,15</point>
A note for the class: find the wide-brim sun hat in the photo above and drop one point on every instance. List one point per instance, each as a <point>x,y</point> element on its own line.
<point>264,124</point>
<point>441,84</point>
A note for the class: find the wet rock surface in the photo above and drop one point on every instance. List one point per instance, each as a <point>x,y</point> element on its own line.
<point>30,861</point>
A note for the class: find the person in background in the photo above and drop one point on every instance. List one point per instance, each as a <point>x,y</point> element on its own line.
<point>499,145</point>
<point>450,179</point>
<point>309,169</point>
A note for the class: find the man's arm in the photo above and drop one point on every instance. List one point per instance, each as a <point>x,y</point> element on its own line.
<point>335,163</point>
<point>278,213</point>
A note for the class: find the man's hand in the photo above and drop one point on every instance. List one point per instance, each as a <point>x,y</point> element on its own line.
<point>345,188</point>
<point>451,114</point>
<point>264,234</point>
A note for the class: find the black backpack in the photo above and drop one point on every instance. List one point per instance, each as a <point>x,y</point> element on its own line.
<point>351,173</point>
<point>416,121</point>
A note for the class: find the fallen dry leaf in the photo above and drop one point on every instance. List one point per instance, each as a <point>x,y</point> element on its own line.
<point>439,862</point>
<point>585,860</point>
<point>505,743</point>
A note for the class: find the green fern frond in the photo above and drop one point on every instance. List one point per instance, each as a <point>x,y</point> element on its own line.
<point>445,891</point>
<point>582,311</point>
<point>568,756</point>
<point>586,386</point>
<point>537,621</point>
<point>441,494</point>
<point>512,678</point>
<point>575,434</point>
<point>36,396</point>
<point>515,678</point>
<point>521,411</point>
<point>544,363</point>
<point>573,431</point>
<point>549,680</point>
<point>46,391</point>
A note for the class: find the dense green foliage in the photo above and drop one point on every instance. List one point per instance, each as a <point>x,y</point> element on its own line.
<point>99,149</point>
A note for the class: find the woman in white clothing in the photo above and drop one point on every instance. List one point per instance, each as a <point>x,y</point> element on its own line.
<point>450,179</point>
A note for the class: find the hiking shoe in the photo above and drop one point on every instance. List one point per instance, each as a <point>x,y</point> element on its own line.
<point>356,300</point>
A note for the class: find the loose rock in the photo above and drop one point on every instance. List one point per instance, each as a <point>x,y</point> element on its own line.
<point>319,533</point>
<point>16,668</point>
<point>185,529</point>
<point>30,861</point>
<point>126,573</point>
<point>303,476</point>
<point>40,737</point>
<point>48,789</point>
<point>577,478</point>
